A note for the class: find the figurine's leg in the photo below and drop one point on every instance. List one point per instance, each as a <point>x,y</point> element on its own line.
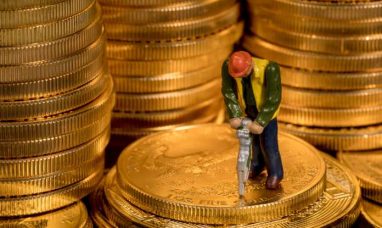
<point>270,148</point>
<point>257,165</point>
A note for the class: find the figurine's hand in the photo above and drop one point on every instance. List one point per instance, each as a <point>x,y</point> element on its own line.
<point>235,123</point>
<point>255,128</point>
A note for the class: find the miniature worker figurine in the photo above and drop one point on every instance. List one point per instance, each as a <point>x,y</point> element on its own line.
<point>251,88</point>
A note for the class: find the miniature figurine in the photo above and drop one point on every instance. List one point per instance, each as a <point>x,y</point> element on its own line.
<point>251,88</point>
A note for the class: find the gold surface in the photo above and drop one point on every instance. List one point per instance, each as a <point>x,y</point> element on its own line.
<point>73,216</point>
<point>146,3</point>
<point>339,205</point>
<point>24,4</point>
<point>367,166</point>
<point>372,213</point>
<point>348,139</point>
<point>193,183</point>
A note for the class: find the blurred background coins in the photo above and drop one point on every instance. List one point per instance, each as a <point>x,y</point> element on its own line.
<point>165,59</point>
<point>56,98</point>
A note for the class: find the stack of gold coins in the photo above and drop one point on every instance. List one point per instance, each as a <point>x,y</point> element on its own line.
<point>56,99</point>
<point>165,59</point>
<point>331,63</point>
<point>195,185</point>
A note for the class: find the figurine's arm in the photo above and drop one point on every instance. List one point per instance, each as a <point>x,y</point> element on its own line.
<point>272,94</point>
<point>228,91</point>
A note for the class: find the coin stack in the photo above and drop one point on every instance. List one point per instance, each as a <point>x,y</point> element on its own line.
<point>195,185</point>
<point>165,58</point>
<point>56,99</point>
<point>331,68</point>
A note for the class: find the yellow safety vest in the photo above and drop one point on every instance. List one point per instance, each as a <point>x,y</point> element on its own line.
<point>257,77</point>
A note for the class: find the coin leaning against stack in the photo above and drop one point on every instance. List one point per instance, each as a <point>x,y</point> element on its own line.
<point>165,59</point>
<point>56,98</point>
<point>188,185</point>
<point>331,68</point>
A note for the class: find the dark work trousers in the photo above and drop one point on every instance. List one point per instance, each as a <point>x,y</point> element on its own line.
<point>265,150</point>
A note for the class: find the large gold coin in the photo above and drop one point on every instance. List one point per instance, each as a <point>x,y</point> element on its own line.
<point>330,81</point>
<point>198,181</point>
<point>357,138</point>
<point>367,166</point>
<point>146,3</point>
<point>24,4</point>
<point>338,206</point>
<point>372,213</point>
<point>73,216</point>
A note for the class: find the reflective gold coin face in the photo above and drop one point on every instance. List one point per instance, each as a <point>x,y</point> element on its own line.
<point>192,170</point>
<point>372,213</point>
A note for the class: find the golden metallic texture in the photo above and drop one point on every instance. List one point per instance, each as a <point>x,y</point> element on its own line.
<point>56,49</point>
<point>330,81</point>
<point>163,14</point>
<point>171,117</point>
<point>338,206</point>
<point>367,166</point>
<point>42,15</point>
<point>174,50</point>
<point>34,204</point>
<point>372,213</point>
<point>338,45</point>
<point>72,216</point>
<point>16,187</point>
<point>348,139</point>
<point>331,99</point>
<point>330,117</point>
<point>176,30</point>
<point>147,3</point>
<point>371,61</point>
<point>166,82</point>
<point>195,182</point>
<point>13,149</point>
<point>61,124</point>
<point>50,31</point>
<point>52,68</point>
<point>158,67</point>
<point>25,4</point>
<point>52,163</point>
<point>318,25</point>
<point>167,101</point>
<point>50,106</point>
<point>337,10</point>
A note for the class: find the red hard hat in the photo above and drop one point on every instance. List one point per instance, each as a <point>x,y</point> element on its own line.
<point>239,63</point>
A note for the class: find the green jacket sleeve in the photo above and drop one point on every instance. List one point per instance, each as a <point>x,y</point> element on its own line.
<point>229,93</point>
<point>272,94</point>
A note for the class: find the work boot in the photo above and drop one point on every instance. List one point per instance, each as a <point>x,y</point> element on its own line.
<point>273,182</point>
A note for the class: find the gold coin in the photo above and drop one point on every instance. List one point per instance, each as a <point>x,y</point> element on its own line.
<point>338,10</point>
<point>61,124</point>
<point>333,117</point>
<point>16,187</point>
<point>313,61</point>
<point>171,117</point>
<point>53,163</point>
<point>15,55</point>
<point>42,15</point>
<point>331,99</point>
<point>174,30</point>
<point>338,45</point>
<point>167,101</point>
<point>13,149</point>
<point>338,206</point>
<point>165,13</point>
<point>166,82</point>
<point>372,213</point>
<point>51,31</point>
<point>146,3</point>
<point>360,138</point>
<point>24,4</point>
<point>35,204</point>
<point>330,81</point>
<point>159,67</point>
<point>174,50</point>
<point>72,216</point>
<point>45,107</point>
<point>367,166</point>
<point>206,183</point>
